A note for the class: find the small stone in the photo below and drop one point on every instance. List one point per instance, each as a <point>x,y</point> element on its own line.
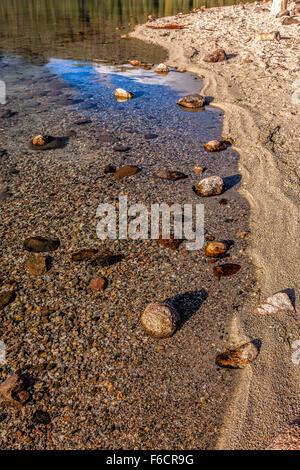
<point>215,145</point>
<point>192,101</point>
<point>122,94</point>
<point>37,265</point>
<point>288,21</point>
<point>238,358</point>
<point>109,169</point>
<point>273,36</point>
<point>198,170</point>
<point>41,417</point>
<point>135,63</point>
<point>124,171</point>
<point>121,148</point>
<point>225,270</point>
<point>98,284</point>
<point>216,249</point>
<point>41,140</point>
<point>211,186</point>
<point>6,297</point>
<point>41,244</point>
<point>275,304</point>
<point>160,320</point>
<point>217,56</point>
<point>243,235</point>
<point>162,68</point>
<point>171,175</point>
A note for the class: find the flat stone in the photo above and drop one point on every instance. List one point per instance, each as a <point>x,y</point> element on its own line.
<point>192,101</point>
<point>238,358</point>
<point>210,186</point>
<point>37,265</point>
<point>124,171</point>
<point>160,320</point>
<point>41,244</point>
<point>274,304</point>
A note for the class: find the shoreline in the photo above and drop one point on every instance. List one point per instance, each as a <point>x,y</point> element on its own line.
<point>254,89</point>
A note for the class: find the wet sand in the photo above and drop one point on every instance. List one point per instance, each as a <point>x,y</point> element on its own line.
<point>103,381</point>
<point>255,89</point>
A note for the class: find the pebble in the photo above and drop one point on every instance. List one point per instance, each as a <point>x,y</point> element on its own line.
<point>217,56</point>
<point>274,304</point>
<point>41,140</point>
<point>216,249</point>
<point>37,265</point>
<point>124,171</point>
<point>162,68</point>
<point>123,94</point>
<point>160,320</point>
<point>13,391</point>
<point>238,358</point>
<point>86,254</point>
<point>192,101</point>
<point>171,175</point>
<point>41,244</point>
<point>98,284</point>
<point>215,145</point>
<point>210,186</point>
<point>225,270</point>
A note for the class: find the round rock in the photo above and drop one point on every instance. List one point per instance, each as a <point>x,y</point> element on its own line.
<point>192,101</point>
<point>211,186</point>
<point>160,320</point>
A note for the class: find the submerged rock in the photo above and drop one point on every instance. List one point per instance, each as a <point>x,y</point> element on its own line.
<point>210,186</point>
<point>6,297</point>
<point>162,68</point>
<point>217,56</point>
<point>225,270</point>
<point>215,145</point>
<point>124,171</point>
<point>275,304</point>
<point>37,265</point>
<point>216,249</point>
<point>41,244</point>
<point>192,101</point>
<point>122,94</point>
<point>171,175</point>
<point>160,320</point>
<point>238,358</point>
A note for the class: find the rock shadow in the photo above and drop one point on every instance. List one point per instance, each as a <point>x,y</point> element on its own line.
<point>188,303</point>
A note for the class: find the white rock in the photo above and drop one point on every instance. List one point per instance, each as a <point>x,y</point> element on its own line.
<point>275,304</point>
<point>162,68</point>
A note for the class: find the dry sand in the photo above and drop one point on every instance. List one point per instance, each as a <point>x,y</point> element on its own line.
<point>255,89</point>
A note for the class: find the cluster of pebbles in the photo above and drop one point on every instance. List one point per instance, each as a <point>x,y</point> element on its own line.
<point>73,328</point>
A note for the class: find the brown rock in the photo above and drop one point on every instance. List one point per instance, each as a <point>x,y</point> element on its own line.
<point>6,297</point>
<point>124,171</point>
<point>41,140</point>
<point>211,186</point>
<point>198,170</point>
<point>215,145</point>
<point>160,320</point>
<point>41,244</point>
<point>224,270</point>
<point>216,249</point>
<point>135,63</point>
<point>13,391</point>
<point>192,101</point>
<point>37,265</point>
<point>98,284</point>
<point>288,21</point>
<point>171,175</point>
<point>238,358</point>
<point>218,56</point>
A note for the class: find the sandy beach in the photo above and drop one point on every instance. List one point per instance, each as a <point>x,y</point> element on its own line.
<point>256,87</point>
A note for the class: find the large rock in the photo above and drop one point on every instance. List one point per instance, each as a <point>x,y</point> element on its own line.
<point>41,244</point>
<point>238,358</point>
<point>274,304</point>
<point>192,101</point>
<point>211,186</point>
<point>160,320</point>
<point>217,56</point>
